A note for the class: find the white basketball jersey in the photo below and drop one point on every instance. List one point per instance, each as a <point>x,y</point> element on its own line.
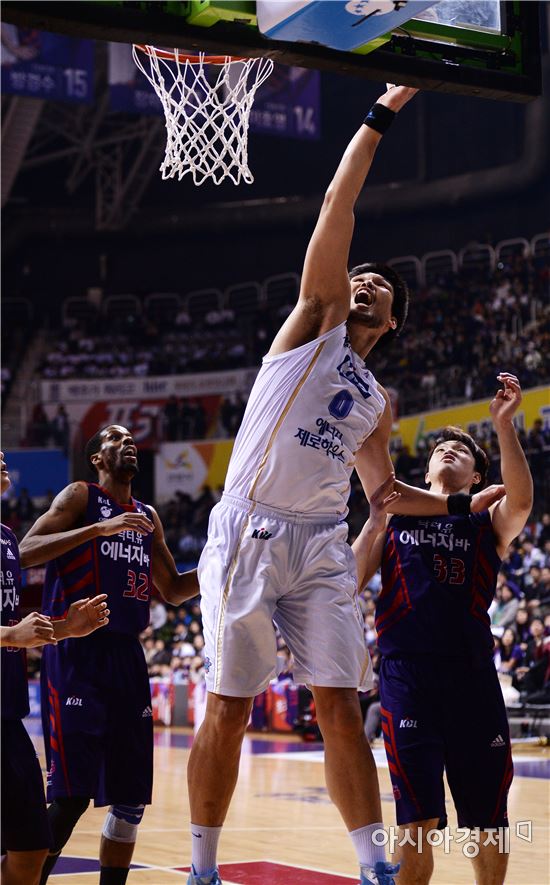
<point>309,412</point>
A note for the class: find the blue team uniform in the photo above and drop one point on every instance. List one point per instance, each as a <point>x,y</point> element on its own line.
<point>24,819</point>
<point>441,702</point>
<point>96,699</point>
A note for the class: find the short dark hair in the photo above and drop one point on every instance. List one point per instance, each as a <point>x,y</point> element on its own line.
<point>480,458</point>
<point>92,448</point>
<point>400,303</point>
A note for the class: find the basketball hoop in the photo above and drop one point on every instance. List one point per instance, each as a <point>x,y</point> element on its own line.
<point>206,116</point>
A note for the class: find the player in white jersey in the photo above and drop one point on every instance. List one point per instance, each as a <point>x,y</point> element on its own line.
<point>276,549</point>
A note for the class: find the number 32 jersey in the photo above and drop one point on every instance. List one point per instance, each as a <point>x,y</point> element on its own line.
<point>438,581</point>
<point>119,565</point>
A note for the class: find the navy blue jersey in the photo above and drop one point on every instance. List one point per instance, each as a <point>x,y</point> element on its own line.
<point>438,581</point>
<point>119,565</point>
<point>15,692</point>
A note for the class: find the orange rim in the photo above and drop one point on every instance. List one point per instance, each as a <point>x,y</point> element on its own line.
<point>170,55</point>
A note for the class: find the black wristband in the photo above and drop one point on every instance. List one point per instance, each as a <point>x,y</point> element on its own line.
<point>459,505</point>
<point>379,118</point>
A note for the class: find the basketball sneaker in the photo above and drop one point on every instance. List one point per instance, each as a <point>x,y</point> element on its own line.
<point>381,874</point>
<point>210,878</point>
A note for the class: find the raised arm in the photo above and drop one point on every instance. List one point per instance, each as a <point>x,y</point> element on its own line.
<point>175,587</point>
<point>510,514</point>
<point>373,465</point>
<point>324,299</point>
<point>59,530</point>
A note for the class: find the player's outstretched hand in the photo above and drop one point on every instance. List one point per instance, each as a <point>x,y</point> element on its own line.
<point>396,97</point>
<point>380,500</point>
<point>135,522</point>
<point>483,500</point>
<point>34,630</point>
<point>86,615</point>
<point>507,400</point>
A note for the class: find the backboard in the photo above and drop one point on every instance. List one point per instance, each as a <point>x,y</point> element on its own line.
<point>475,47</point>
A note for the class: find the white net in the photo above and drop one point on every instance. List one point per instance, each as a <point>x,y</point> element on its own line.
<point>207,108</point>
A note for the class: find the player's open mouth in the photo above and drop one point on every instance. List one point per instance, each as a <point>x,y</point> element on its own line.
<point>130,452</point>
<point>365,297</point>
<point>448,458</point>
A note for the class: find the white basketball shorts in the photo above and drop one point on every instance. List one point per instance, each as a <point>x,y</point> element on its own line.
<point>262,567</point>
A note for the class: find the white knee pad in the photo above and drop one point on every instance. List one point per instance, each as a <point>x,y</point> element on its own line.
<point>121,822</point>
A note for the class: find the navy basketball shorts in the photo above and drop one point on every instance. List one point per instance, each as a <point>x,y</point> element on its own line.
<point>97,719</point>
<point>440,715</point>
<point>24,819</point>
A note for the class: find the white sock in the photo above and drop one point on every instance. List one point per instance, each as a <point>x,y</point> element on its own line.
<point>204,848</point>
<point>368,852</point>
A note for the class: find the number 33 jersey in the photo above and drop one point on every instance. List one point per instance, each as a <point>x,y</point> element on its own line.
<point>119,565</point>
<point>438,580</point>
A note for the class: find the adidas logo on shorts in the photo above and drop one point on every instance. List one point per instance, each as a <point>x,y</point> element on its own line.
<point>147,712</point>
<point>498,741</point>
<point>9,554</point>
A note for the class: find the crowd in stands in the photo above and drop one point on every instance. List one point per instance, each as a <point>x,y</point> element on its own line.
<point>140,346</point>
<point>188,419</point>
<point>460,332</point>
<point>43,431</point>
<point>181,418</point>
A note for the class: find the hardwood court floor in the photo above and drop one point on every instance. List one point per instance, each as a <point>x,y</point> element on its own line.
<point>281,814</point>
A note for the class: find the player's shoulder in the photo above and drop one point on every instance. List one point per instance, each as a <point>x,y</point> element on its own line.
<point>73,496</point>
<point>150,511</point>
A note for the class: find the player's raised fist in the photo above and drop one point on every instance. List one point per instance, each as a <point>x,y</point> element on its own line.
<point>507,400</point>
<point>135,522</point>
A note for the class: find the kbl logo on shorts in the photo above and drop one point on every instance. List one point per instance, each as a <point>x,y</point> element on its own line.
<point>73,702</point>
<point>262,534</point>
<point>408,723</point>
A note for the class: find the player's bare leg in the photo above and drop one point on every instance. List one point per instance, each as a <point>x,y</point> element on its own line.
<point>22,867</point>
<point>212,774</point>
<point>352,779</point>
<point>214,761</point>
<point>116,854</point>
<point>416,866</point>
<point>350,770</point>
<point>490,864</point>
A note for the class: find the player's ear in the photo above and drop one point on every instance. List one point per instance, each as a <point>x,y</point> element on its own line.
<point>427,479</point>
<point>96,459</point>
<point>476,479</point>
<point>393,323</point>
